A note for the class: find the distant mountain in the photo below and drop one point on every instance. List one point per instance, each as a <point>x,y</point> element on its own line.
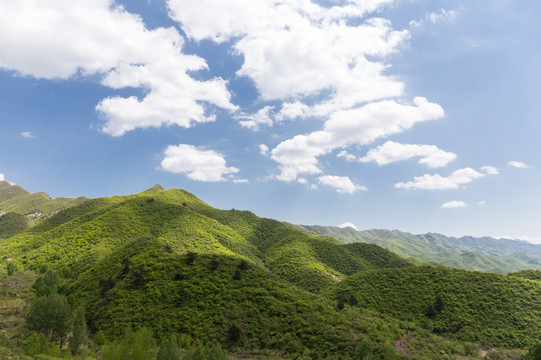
<point>19,209</point>
<point>470,253</point>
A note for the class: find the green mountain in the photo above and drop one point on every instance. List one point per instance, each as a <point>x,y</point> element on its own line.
<point>165,260</point>
<point>20,209</point>
<point>472,306</point>
<point>479,254</point>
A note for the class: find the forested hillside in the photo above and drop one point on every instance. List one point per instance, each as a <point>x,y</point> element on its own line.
<point>162,265</point>
<point>19,209</point>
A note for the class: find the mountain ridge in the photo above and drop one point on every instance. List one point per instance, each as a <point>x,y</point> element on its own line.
<point>467,252</point>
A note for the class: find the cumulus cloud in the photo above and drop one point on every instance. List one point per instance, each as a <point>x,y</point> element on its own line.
<point>296,49</point>
<point>27,135</point>
<point>53,39</point>
<point>2,177</point>
<point>518,164</point>
<point>438,182</point>
<point>290,111</point>
<point>482,202</point>
<point>241,181</point>
<point>490,170</point>
<point>454,204</point>
<point>263,149</point>
<point>342,184</point>
<point>344,154</point>
<point>254,121</point>
<point>196,163</point>
<point>344,128</point>
<point>348,224</point>
<point>390,152</point>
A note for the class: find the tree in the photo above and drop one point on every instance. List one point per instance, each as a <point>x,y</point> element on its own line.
<point>169,350</point>
<point>50,315</point>
<point>430,311</point>
<point>364,351</point>
<point>78,330</point>
<point>11,268</point>
<point>233,334</point>
<point>47,285</point>
<point>534,353</point>
<point>439,304</point>
<point>99,338</point>
<point>142,345</point>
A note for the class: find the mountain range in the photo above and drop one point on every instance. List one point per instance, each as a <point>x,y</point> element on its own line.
<point>470,253</point>
<point>167,261</point>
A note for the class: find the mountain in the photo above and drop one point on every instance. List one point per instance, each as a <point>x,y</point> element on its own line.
<point>470,305</point>
<point>166,260</point>
<point>470,253</point>
<point>19,209</point>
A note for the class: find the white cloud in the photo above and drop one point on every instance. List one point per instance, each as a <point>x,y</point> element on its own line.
<point>454,204</point>
<point>518,164</point>
<point>197,164</point>
<point>342,184</point>
<point>348,224</point>
<point>2,177</point>
<point>490,170</point>
<point>292,111</point>
<point>438,182</point>
<point>54,39</point>
<point>390,152</point>
<point>254,121</point>
<point>344,154</point>
<point>296,49</point>
<point>344,128</point>
<point>263,149</point>
<point>448,15</point>
<point>241,181</point>
<point>27,135</point>
<point>482,202</point>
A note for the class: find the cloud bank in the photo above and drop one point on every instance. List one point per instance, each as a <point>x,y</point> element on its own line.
<point>53,39</point>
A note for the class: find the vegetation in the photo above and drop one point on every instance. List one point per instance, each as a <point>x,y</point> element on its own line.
<point>162,275</point>
<point>471,306</point>
<point>528,274</point>
<point>20,209</point>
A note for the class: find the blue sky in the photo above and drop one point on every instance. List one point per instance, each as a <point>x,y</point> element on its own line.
<point>415,115</point>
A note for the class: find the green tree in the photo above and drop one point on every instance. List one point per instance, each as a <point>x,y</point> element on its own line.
<point>99,338</point>
<point>364,351</point>
<point>47,285</point>
<point>142,345</point>
<point>534,353</point>
<point>169,350</point>
<point>11,268</point>
<point>50,315</point>
<point>78,330</point>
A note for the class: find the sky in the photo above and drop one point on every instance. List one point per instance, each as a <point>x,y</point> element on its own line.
<point>416,115</point>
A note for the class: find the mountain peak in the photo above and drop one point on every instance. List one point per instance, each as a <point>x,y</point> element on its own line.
<point>156,188</point>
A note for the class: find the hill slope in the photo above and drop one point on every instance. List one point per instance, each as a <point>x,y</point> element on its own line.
<point>33,207</point>
<point>479,254</point>
<point>474,306</point>
<point>165,259</point>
